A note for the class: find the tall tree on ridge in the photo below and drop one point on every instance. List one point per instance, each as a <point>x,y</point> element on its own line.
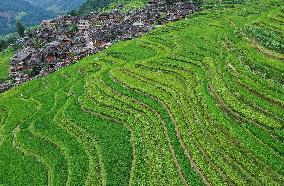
<point>20,28</point>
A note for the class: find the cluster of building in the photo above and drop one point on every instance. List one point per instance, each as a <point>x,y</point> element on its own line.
<point>67,39</point>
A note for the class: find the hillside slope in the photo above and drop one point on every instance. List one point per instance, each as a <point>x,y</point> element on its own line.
<point>92,5</point>
<point>31,12</point>
<point>196,102</point>
<point>57,5</point>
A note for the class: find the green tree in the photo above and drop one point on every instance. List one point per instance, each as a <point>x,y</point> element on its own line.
<point>30,33</point>
<point>74,13</point>
<point>3,44</point>
<point>170,2</point>
<point>20,28</point>
<point>73,28</point>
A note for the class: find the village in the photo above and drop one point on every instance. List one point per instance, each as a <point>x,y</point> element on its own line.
<point>67,39</point>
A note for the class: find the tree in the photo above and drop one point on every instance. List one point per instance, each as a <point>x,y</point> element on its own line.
<point>73,28</point>
<point>170,2</point>
<point>74,13</point>
<point>3,44</point>
<point>20,28</point>
<point>30,33</point>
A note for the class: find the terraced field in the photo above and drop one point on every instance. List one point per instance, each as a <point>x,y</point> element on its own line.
<point>196,102</point>
<point>4,63</point>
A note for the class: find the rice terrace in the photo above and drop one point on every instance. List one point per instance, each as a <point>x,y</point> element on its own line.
<point>197,101</point>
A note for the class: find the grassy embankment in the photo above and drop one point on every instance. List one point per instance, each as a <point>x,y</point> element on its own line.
<point>4,62</point>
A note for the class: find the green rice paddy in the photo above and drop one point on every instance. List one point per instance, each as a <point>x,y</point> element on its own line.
<point>195,102</point>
